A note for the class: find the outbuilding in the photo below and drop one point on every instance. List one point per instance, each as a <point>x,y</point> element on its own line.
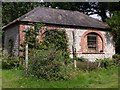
<point>91,37</point>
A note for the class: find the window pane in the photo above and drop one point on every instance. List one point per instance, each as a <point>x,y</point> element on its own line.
<point>92,41</point>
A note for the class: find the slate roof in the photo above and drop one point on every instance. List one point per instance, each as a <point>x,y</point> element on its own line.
<point>61,17</point>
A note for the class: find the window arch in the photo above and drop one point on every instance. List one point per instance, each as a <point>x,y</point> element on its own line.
<point>92,42</point>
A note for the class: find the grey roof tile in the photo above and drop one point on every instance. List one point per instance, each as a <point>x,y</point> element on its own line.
<point>61,17</point>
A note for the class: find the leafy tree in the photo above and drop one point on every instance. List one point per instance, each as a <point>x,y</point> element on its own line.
<point>114,23</point>
<point>13,10</point>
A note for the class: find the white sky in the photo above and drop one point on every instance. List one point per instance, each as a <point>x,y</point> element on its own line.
<point>95,16</point>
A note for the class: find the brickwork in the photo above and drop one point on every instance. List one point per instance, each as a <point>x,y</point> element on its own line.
<point>100,41</point>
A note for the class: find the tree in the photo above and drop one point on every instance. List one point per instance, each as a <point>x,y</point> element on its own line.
<point>13,10</point>
<point>114,23</point>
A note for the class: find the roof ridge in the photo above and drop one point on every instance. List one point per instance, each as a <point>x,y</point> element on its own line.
<point>60,9</point>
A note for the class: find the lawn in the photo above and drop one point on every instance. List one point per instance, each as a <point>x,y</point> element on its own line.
<point>102,78</point>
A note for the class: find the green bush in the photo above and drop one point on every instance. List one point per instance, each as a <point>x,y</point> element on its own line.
<point>116,58</point>
<point>9,62</point>
<point>50,64</point>
<point>106,62</point>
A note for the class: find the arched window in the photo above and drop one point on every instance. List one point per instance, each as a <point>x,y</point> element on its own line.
<point>92,42</point>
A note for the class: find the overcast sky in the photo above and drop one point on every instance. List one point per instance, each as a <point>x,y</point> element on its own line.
<point>96,16</point>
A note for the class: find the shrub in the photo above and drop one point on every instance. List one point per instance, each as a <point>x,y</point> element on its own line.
<point>106,62</point>
<point>116,58</point>
<point>50,64</point>
<point>9,62</point>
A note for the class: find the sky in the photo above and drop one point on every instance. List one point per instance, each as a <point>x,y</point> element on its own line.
<point>96,16</point>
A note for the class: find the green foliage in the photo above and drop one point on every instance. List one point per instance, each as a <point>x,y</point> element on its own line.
<point>13,10</point>
<point>9,62</point>
<point>50,65</point>
<point>106,63</point>
<point>31,34</point>
<point>84,64</point>
<point>100,78</point>
<point>30,37</point>
<point>116,58</point>
<point>89,8</point>
<point>114,23</point>
<point>48,59</point>
<point>55,39</point>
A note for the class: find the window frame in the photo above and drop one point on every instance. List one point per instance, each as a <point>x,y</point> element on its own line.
<point>92,42</point>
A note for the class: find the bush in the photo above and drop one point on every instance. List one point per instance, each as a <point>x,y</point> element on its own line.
<point>50,64</point>
<point>106,62</point>
<point>116,58</point>
<point>9,62</point>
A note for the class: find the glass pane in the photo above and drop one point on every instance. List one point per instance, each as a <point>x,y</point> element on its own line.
<point>91,40</point>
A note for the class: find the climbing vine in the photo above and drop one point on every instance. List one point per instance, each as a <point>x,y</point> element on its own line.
<point>31,34</point>
<point>55,39</point>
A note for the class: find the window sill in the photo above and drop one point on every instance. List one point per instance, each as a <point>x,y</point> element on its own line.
<point>93,53</point>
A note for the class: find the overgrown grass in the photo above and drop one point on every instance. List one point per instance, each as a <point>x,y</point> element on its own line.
<point>100,78</point>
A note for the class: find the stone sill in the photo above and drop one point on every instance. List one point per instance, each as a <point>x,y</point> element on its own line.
<point>93,53</point>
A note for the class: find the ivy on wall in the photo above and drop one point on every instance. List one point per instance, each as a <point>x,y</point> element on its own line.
<point>55,39</point>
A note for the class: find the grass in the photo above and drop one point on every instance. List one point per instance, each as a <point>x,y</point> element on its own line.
<point>102,78</point>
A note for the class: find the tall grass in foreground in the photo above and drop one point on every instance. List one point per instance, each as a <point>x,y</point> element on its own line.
<point>99,78</point>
